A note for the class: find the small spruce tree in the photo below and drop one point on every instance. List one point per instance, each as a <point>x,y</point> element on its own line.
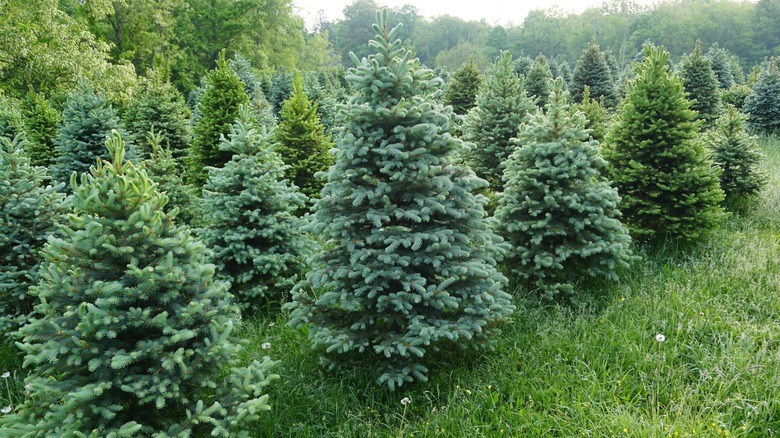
<point>763,104</point>
<point>701,84</point>
<point>462,90</point>
<point>132,336</point>
<point>253,231</point>
<point>721,66</point>
<point>592,70</point>
<point>668,185</point>
<point>596,115</point>
<point>537,81</point>
<point>409,265</point>
<point>40,124</point>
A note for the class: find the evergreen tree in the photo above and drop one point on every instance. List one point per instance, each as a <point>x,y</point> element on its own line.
<point>564,72</point>
<point>735,96</point>
<point>409,265</point>
<point>255,237</point>
<point>11,120</point>
<point>736,69</point>
<point>592,70</point>
<point>763,104</point>
<point>87,120</point>
<point>281,88</point>
<point>132,337</point>
<point>523,65</point>
<point>502,105</point>
<point>596,115</point>
<point>40,125</point>
<point>29,213</point>
<point>461,92</point>
<point>701,84</point>
<point>737,155</point>
<point>558,213</point>
<point>669,186</point>
<point>614,67</point>
<point>721,66</point>
<point>301,141</point>
<point>537,81</point>
<point>218,105</point>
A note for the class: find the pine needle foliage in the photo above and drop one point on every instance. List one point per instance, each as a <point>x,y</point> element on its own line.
<point>721,66</point>
<point>701,84</point>
<point>132,336</point>
<point>462,90</point>
<point>596,115</point>
<point>538,79</point>
<point>593,70</point>
<point>668,184</point>
<point>763,104</point>
<point>40,124</point>
<point>409,265</point>
<point>255,236</point>
<point>502,105</point>
<point>557,212</point>
<point>30,210</point>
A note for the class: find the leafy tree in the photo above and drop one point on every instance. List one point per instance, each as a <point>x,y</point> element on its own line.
<point>461,92</point>
<point>218,105</point>
<point>721,65</point>
<point>29,214</point>
<point>502,105</point>
<point>592,70</point>
<point>669,186</point>
<point>408,268</point>
<point>701,84</point>
<point>538,79</point>
<point>557,212</point>
<point>40,124</point>
<point>596,115</point>
<point>253,232</point>
<point>763,104</point>
<point>132,336</point>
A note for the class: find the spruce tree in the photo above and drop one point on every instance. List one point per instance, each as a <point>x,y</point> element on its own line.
<point>736,154</point>
<point>596,115</point>
<point>668,185</point>
<point>721,66</point>
<point>701,84</point>
<point>537,81</point>
<point>409,265</point>
<point>502,105</point>
<point>462,90</point>
<point>523,64</point>
<point>302,142</point>
<point>592,70</point>
<point>30,210</point>
<point>253,231</point>
<point>11,119</point>
<point>557,212</point>
<point>281,88</point>
<point>614,67</point>
<point>40,124</point>
<point>763,104</point>
<point>218,106</point>
<point>132,336</point>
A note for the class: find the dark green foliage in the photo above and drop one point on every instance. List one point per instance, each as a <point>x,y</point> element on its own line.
<point>409,265</point>
<point>256,239</point>
<point>281,88</point>
<point>560,69</point>
<point>502,105</point>
<point>721,65</point>
<point>30,209</point>
<point>592,70</point>
<point>736,69</point>
<point>462,90</point>
<point>763,104</point>
<point>737,155</point>
<point>735,96</point>
<point>302,142</point>
<point>11,120</point>
<point>669,186</point>
<point>701,84</point>
<point>614,67</point>
<point>218,105</point>
<point>132,336</point>
<point>88,119</point>
<point>40,125</point>
<point>596,115</point>
<point>537,81</point>
<point>557,211</point>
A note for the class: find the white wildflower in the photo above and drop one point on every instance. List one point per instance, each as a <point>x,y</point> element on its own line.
<point>6,410</point>
<point>265,345</point>
<point>6,375</point>
<point>660,338</point>
<point>405,401</point>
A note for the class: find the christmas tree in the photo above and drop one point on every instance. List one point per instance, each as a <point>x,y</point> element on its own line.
<point>721,66</point>
<point>40,125</point>
<point>763,104</point>
<point>462,90</point>
<point>409,265</point>
<point>592,70</point>
<point>537,81</point>
<point>701,84</point>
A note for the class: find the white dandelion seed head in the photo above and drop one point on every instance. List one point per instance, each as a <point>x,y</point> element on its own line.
<point>405,401</point>
<point>6,375</point>
<point>271,324</point>
<point>265,345</point>
<point>6,410</point>
<point>660,338</point>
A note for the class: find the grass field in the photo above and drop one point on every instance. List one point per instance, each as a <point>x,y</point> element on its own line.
<point>594,372</point>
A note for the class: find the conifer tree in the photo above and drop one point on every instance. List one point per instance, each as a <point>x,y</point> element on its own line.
<point>523,64</point>
<point>11,120</point>
<point>592,70</point>
<point>701,84</point>
<point>409,265</point>
<point>30,210</point>
<point>502,105</point>
<point>596,115</point>
<point>302,142</point>
<point>614,67</point>
<point>132,336</point>
<point>537,81</point>
<point>253,231</point>
<point>281,88</point>
<point>721,66</point>
<point>40,125</point>
<point>557,212</point>
<point>763,104</point>
<point>462,90</point>
<point>218,106</point>
<point>736,154</point>
<point>668,185</point>
<point>87,121</point>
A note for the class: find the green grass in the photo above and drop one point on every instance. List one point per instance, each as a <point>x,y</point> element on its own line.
<point>596,372</point>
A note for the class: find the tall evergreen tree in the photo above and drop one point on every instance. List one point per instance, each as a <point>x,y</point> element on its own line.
<point>40,124</point>
<point>302,142</point>
<point>669,186</point>
<point>763,104</point>
<point>592,70</point>
<point>538,79</point>
<point>218,106</point>
<point>409,265</point>
<point>30,210</point>
<point>701,84</point>
<point>462,90</point>
<point>502,105</point>
<point>132,337</point>
<point>721,65</point>
<point>253,231</point>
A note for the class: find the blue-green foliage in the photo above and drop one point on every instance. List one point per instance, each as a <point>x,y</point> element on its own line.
<point>763,104</point>
<point>408,267</point>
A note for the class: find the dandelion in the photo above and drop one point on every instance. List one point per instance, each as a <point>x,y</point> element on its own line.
<point>405,401</point>
<point>660,338</point>
<point>6,410</point>
<point>6,375</point>
<point>265,345</point>
<point>271,324</point>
